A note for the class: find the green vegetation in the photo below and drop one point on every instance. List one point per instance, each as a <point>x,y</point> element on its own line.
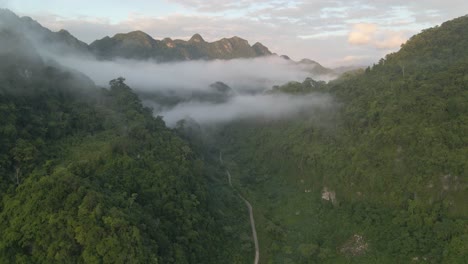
<point>88,175</point>
<point>139,45</point>
<point>391,162</point>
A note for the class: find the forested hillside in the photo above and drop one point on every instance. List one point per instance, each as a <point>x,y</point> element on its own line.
<point>88,175</point>
<point>383,178</point>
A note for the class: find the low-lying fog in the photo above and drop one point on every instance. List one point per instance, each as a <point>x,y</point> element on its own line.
<point>185,89</point>
<point>189,86</point>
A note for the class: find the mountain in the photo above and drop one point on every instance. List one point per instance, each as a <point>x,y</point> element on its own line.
<point>380,179</point>
<point>57,42</point>
<point>312,66</point>
<point>89,175</point>
<point>133,45</point>
<point>316,67</point>
<point>139,45</point>
<point>351,68</point>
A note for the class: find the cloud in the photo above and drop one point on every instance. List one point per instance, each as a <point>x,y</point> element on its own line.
<point>392,40</point>
<point>218,5</point>
<point>314,29</point>
<point>241,74</point>
<point>223,5</point>
<point>193,89</point>
<point>372,35</point>
<point>280,38</point>
<point>362,34</point>
<point>187,91</point>
<point>260,106</point>
<point>354,59</point>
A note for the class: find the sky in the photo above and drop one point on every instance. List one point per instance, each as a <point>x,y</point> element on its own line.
<point>334,33</point>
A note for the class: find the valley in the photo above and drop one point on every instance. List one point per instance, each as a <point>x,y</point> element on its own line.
<point>132,149</point>
<point>251,214</point>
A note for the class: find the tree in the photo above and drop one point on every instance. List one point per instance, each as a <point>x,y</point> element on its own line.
<point>23,154</point>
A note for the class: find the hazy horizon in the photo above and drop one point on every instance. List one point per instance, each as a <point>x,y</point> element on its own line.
<point>334,33</point>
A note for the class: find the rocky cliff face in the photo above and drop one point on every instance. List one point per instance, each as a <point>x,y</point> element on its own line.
<point>138,45</point>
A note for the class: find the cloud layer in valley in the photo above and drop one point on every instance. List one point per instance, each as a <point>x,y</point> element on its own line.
<point>214,91</point>
<point>256,74</point>
<point>260,106</point>
<point>189,84</point>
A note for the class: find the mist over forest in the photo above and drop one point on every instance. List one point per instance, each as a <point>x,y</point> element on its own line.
<point>248,82</point>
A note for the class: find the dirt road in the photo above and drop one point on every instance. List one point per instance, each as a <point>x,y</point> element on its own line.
<point>252,219</point>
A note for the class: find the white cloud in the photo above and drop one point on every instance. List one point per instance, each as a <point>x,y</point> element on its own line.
<point>261,106</point>
<point>359,60</point>
<point>296,28</point>
<point>223,5</point>
<point>391,40</point>
<point>362,34</point>
<point>190,84</point>
<point>241,74</point>
<point>370,34</point>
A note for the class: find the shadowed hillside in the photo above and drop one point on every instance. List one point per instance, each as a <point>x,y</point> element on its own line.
<point>381,180</point>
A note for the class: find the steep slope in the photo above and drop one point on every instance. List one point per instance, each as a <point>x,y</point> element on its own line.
<point>58,42</point>
<point>138,45</point>
<point>313,67</point>
<point>383,179</point>
<point>134,45</point>
<point>88,175</point>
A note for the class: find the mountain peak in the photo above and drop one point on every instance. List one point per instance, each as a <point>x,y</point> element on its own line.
<point>197,38</point>
<point>261,50</point>
<point>64,32</point>
<point>136,39</point>
<point>7,17</point>
<point>238,40</point>
<point>134,34</point>
<point>308,61</point>
<point>6,11</point>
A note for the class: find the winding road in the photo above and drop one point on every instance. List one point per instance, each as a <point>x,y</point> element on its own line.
<point>252,219</point>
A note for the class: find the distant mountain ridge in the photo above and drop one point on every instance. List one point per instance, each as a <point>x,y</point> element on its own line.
<point>61,41</point>
<point>135,44</point>
<point>141,46</point>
